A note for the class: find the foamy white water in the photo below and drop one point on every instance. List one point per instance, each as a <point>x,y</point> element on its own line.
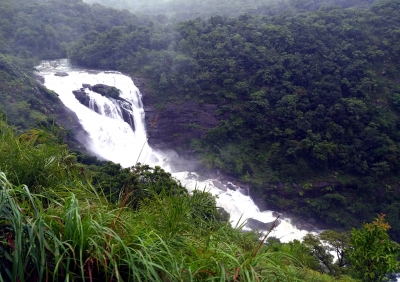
<point>113,139</point>
<point>241,207</point>
<point>110,137</point>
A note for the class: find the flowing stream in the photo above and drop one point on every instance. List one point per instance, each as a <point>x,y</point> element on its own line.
<point>112,138</point>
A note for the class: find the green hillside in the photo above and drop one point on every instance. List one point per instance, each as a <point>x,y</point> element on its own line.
<point>308,101</point>
<point>63,220</point>
<point>34,30</point>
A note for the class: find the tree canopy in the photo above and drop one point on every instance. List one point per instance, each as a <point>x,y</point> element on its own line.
<point>308,101</point>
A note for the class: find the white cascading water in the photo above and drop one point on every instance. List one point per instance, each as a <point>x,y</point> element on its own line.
<point>110,137</point>
<point>113,139</point>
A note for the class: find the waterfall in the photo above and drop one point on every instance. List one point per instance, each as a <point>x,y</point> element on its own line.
<point>111,138</point>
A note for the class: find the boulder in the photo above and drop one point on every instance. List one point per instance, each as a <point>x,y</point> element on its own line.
<point>60,73</point>
<point>84,99</point>
<point>106,90</point>
<point>244,191</point>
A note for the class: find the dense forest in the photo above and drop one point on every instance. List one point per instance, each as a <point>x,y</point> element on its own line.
<point>43,29</point>
<point>308,102</point>
<point>308,96</point>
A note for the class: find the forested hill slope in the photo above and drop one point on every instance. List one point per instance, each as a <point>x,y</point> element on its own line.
<point>27,104</point>
<point>100,221</point>
<point>39,29</point>
<point>308,103</point>
<point>43,29</point>
<point>308,100</point>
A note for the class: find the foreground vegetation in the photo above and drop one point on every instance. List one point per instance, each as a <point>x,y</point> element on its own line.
<point>308,98</point>
<point>56,224</point>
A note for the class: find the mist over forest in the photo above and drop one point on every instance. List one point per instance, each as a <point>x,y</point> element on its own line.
<point>300,102</point>
<point>177,10</point>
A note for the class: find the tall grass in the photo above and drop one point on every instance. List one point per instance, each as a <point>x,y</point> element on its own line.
<point>35,158</point>
<point>55,226</point>
<point>24,243</point>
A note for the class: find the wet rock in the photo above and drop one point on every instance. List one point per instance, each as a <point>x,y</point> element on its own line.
<point>230,186</point>
<point>259,225</point>
<point>126,110</point>
<point>60,73</point>
<point>219,185</point>
<point>82,97</point>
<point>39,78</point>
<point>106,90</point>
<point>191,176</point>
<point>124,105</point>
<point>128,118</point>
<point>244,191</point>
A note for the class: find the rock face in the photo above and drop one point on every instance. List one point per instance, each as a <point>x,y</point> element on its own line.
<point>174,126</point>
<point>82,97</point>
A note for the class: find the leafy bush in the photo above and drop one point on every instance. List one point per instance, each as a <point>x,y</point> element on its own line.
<point>373,254</point>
